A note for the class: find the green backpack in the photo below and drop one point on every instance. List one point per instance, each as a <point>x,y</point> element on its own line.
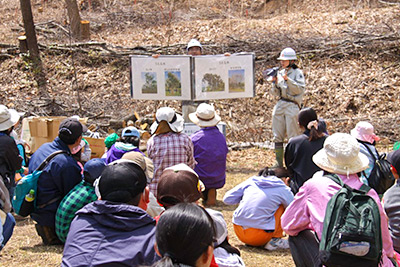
<point>352,228</point>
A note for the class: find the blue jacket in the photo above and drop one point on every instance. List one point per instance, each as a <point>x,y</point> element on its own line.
<point>259,199</point>
<point>106,233</point>
<point>56,180</point>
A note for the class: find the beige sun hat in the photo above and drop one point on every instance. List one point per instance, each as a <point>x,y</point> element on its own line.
<point>174,120</point>
<point>341,155</point>
<point>205,116</point>
<point>8,117</point>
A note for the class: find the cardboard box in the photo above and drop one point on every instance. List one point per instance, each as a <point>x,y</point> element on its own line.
<point>97,146</point>
<point>39,130</point>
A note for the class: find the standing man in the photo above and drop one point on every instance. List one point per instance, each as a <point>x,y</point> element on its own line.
<point>289,85</point>
<point>193,48</point>
<point>57,178</point>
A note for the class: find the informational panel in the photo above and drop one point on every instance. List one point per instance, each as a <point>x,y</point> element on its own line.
<point>162,78</point>
<point>219,77</point>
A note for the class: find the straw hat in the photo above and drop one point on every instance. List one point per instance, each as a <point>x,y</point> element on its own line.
<point>8,117</point>
<point>205,116</point>
<point>174,120</point>
<point>341,155</point>
<point>364,131</point>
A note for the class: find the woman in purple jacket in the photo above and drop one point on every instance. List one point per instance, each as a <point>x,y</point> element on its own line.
<point>210,151</point>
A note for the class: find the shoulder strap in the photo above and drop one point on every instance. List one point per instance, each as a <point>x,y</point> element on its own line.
<point>49,158</point>
<point>364,188</point>
<point>335,178</point>
<point>369,150</point>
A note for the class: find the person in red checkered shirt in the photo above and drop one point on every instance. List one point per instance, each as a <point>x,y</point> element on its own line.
<point>168,146</point>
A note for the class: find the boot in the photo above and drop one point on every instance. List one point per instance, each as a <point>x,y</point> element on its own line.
<point>278,155</point>
<point>211,197</point>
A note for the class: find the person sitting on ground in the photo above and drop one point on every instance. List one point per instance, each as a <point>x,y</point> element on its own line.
<point>82,194</point>
<point>10,160</point>
<point>7,221</point>
<point>168,146</point>
<point>391,200</point>
<point>262,200</point>
<point>225,254</point>
<point>210,151</point>
<point>57,178</point>
<point>300,149</point>
<point>303,220</point>
<point>109,141</point>
<point>114,230</point>
<point>364,133</point>
<point>129,141</point>
<point>180,184</point>
<point>184,237</point>
<point>153,208</point>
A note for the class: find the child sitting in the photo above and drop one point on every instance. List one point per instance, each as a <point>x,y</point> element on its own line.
<point>263,199</point>
<point>225,254</point>
<point>82,194</point>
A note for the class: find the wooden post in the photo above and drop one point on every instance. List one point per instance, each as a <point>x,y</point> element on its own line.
<point>85,30</point>
<point>23,44</point>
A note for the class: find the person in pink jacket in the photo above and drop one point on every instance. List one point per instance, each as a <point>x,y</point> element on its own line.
<point>303,218</point>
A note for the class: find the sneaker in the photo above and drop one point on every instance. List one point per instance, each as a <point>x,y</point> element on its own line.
<point>277,243</point>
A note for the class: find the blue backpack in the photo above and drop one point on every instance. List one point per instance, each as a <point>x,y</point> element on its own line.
<point>29,182</point>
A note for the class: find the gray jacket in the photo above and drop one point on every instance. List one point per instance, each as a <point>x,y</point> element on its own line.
<point>292,89</point>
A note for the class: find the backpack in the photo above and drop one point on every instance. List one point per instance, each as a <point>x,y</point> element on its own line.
<point>351,233</point>
<point>29,182</point>
<point>381,177</point>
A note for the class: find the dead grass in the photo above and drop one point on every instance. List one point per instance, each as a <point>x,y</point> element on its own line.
<point>25,248</point>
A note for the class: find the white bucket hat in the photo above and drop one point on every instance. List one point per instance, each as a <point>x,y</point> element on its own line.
<point>174,120</point>
<point>8,117</point>
<point>205,116</point>
<point>341,155</point>
<point>364,131</point>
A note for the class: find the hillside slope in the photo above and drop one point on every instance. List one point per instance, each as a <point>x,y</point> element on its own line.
<point>349,54</point>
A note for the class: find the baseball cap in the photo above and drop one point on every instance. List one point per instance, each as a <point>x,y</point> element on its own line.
<point>394,159</point>
<point>69,131</point>
<point>178,184</point>
<point>121,181</point>
<point>144,162</point>
<point>130,131</point>
<point>93,169</point>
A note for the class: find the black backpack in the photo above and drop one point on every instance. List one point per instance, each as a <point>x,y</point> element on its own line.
<point>381,177</point>
<point>351,234</point>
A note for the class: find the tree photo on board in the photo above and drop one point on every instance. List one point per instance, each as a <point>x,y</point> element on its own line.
<point>212,83</point>
<point>150,83</point>
<point>173,86</point>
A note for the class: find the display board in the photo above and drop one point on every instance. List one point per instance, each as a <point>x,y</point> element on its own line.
<point>192,78</point>
<point>221,77</point>
<point>162,78</point>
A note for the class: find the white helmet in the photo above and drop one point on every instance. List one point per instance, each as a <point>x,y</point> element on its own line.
<point>193,43</point>
<point>287,54</point>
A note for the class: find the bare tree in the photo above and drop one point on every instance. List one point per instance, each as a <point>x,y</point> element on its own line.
<point>34,56</point>
<point>74,18</point>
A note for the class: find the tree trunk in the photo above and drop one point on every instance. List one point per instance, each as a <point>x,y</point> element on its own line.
<point>74,18</point>
<point>37,67</point>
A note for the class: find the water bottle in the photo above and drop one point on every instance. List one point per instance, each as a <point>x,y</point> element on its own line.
<point>27,205</point>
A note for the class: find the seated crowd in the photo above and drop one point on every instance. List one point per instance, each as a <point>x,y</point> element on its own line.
<point>144,208</point>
